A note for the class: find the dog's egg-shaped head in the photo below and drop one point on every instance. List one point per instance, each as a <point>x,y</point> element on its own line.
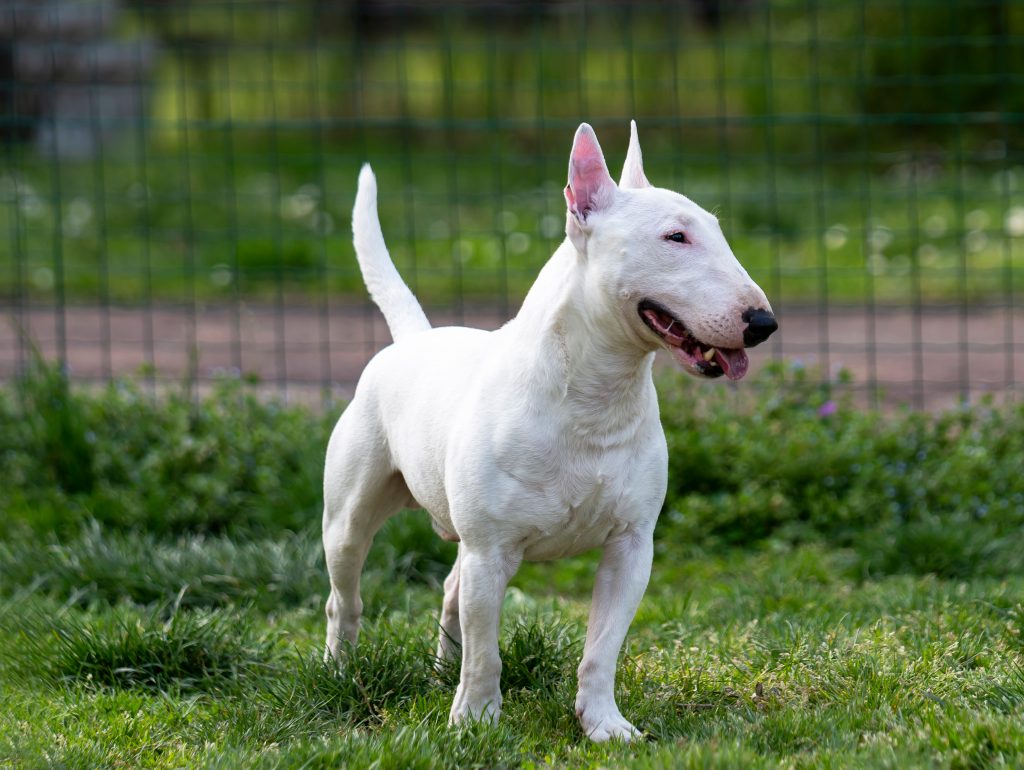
<point>663,263</point>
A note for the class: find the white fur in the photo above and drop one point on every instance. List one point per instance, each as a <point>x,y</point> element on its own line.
<point>536,441</point>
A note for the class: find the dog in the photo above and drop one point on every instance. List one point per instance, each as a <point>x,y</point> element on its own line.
<point>542,439</point>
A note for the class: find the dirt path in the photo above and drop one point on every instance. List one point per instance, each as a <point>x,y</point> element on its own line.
<point>926,359</point>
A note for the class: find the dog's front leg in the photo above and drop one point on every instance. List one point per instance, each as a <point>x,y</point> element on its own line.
<point>621,580</point>
<point>483,577</point>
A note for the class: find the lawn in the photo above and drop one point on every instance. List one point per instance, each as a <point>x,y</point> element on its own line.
<point>217,224</point>
<point>854,151</point>
<point>832,588</point>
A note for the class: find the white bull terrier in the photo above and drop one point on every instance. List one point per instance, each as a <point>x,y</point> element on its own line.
<point>542,439</point>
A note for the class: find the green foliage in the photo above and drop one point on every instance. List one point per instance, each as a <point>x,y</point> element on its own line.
<point>832,587</point>
<point>789,460</point>
<point>797,461</point>
<point>852,150</point>
<point>165,465</point>
<point>44,409</point>
<point>264,262</point>
<point>823,60</point>
<point>891,231</point>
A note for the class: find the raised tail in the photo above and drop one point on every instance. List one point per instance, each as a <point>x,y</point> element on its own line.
<point>401,310</point>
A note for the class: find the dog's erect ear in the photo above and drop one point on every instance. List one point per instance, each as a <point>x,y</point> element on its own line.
<point>633,169</point>
<point>590,187</point>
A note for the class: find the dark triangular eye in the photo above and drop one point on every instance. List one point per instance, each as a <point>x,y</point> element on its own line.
<point>677,238</point>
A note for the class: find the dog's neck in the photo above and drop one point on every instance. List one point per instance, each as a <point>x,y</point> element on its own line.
<point>582,357</point>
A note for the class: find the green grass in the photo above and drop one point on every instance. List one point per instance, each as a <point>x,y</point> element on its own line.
<point>755,659</point>
<point>482,231</point>
<point>853,150</point>
<point>844,590</point>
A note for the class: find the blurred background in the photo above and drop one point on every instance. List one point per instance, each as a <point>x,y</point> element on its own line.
<point>176,176</point>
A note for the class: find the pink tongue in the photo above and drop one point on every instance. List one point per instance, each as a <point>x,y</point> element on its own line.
<point>734,362</point>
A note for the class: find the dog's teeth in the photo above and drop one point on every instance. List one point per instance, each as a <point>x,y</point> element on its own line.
<point>709,354</point>
<point>669,329</point>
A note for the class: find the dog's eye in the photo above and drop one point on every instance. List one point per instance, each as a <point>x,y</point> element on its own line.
<point>677,238</point>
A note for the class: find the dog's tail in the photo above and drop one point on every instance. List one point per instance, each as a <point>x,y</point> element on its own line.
<point>400,307</point>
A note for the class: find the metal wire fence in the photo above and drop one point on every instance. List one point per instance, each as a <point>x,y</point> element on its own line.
<point>177,175</point>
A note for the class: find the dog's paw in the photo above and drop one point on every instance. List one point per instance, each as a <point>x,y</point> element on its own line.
<point>601,726</point>
<point>482,708</point>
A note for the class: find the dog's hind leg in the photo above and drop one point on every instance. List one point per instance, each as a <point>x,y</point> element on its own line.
<point>361,491</point>
<point>449,646</point>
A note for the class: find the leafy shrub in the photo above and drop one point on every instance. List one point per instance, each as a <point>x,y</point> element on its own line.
<point>787,458</point>
<point>910,491</point>
<point>46,413</point>
<point>167,465</point>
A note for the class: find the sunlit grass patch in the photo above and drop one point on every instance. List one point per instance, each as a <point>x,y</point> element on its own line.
<point>854,672</point>
<point>166,650</point>
<point>412,746</point>
<point>106,565</point>
<point>539,653</point>
<point>100,565</point>
<point>383,673</point>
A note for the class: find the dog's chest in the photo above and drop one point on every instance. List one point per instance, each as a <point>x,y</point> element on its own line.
<point>577,500</point>
<point>587,514</point>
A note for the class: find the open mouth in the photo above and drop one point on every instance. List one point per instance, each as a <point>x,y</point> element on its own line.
<point>689,351</point>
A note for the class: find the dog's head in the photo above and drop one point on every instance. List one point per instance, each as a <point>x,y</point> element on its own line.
<point>661,264</point>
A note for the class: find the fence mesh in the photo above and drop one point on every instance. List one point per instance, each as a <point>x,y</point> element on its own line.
<point>177,176</point>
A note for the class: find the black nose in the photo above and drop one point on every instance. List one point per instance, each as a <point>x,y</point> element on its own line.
<point>760,325</point>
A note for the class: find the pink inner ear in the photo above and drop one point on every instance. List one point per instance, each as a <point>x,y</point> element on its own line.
<point>590,186</point>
